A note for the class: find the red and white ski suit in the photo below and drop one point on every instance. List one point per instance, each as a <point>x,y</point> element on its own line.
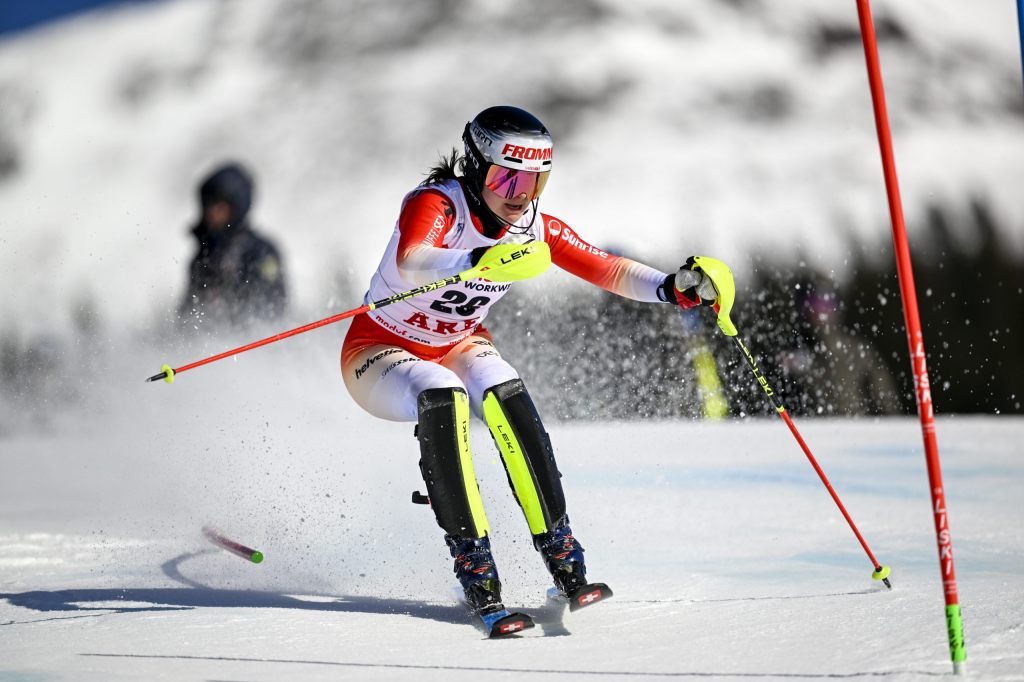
<point>436,339</point>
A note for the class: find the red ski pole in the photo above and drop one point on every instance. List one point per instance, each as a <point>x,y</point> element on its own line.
<point>501,263</point>
<point>722,278</point>
<point>915,340</point>
<point>881,572</point>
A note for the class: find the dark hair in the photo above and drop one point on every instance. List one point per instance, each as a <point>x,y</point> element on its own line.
<point>446,168</point>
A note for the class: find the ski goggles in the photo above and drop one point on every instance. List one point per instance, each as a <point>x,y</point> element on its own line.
<point>509,183</point>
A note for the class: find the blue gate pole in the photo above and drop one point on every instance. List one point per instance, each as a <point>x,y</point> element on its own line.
<point>1020,28</point>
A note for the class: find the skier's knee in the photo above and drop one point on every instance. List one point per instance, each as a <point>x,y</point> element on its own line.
<point>446,462</point>
<point>527,454</point>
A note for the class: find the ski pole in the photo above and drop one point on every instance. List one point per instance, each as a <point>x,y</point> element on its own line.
<point>722,278</point>
<point>500,263</point>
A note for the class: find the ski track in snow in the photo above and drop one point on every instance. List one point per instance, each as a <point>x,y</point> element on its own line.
<point>727,557</point>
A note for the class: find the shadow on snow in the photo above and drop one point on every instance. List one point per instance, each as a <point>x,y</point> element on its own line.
<point>195,595</point>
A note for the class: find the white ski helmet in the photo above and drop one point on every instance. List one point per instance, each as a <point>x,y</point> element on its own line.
<point>508,151</point>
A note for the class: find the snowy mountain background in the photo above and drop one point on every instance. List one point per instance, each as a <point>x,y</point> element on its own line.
<point>725,128</point>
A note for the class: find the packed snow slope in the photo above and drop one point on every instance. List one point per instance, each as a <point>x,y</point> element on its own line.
<point>727,556</point>
<point>710,127</point>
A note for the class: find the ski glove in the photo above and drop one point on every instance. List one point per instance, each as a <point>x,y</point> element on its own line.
<point>690,287</point>
<point>476,254</point>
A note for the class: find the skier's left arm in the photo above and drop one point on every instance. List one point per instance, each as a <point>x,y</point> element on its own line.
<point>688,287</point>
<point>617,274</point>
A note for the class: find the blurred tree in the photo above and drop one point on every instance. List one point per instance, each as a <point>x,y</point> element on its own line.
<point>829,345</point>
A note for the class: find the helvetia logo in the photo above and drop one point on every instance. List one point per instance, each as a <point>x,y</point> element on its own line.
<point>374,358</point>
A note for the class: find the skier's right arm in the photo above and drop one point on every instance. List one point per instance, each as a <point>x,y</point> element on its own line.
<point>425,219</point>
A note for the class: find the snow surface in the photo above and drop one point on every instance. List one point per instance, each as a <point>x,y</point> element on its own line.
<point>727,557</point>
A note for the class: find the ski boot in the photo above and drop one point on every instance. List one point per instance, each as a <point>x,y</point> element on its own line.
<point>563,556</point>
<point>475,570</point>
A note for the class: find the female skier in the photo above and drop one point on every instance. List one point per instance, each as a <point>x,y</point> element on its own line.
<point>428,359</point>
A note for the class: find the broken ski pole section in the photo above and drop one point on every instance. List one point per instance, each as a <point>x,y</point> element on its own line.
<point>229,545</point>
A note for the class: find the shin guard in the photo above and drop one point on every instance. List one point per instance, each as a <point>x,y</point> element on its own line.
<point>527,454</point>
<point>446,462</point>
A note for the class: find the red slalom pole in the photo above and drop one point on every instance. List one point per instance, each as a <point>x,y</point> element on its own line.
<point>915,340</point>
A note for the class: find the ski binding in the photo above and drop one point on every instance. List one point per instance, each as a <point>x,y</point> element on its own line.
<point>583,596</point>
<point>502,622</point>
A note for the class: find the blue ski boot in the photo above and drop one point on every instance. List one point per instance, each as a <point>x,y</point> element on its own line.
<point>563,556</point>
<point>474,567</point>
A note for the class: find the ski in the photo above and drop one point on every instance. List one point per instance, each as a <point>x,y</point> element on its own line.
<point>494,619</point>
<point>502,623</point>
<point>583,596</point>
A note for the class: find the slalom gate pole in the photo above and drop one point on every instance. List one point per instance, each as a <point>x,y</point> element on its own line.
<point>725,286</point>
<point>1020,31</point>
<point>915,341</point>
<point>501,263</point>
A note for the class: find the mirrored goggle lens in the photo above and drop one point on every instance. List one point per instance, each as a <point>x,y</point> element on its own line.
<point>510,183</point>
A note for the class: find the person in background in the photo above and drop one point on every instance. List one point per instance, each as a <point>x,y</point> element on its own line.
<point>236,275</point>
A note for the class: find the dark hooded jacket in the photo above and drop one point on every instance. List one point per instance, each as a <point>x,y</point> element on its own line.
<point>236,274</point>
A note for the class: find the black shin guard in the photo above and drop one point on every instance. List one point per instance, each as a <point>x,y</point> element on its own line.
<point>527,454</point>
<point>446,463</point>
